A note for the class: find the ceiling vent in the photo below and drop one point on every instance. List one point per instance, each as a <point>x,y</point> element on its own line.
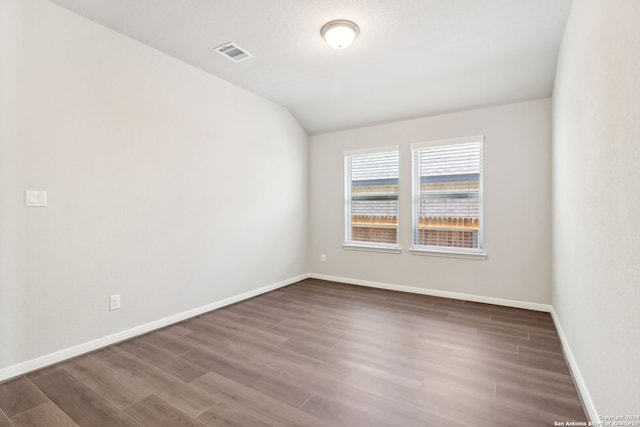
<point>233,52</point>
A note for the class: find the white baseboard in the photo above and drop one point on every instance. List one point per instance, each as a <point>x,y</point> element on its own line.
<point>587,403</point>
<point>77,350</point>
<point>68,353</point>
<point>436,293</point>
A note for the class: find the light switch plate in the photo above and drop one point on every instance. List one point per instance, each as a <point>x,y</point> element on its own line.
<point>35,198</point>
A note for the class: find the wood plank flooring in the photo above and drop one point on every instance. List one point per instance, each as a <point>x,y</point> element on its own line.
<point>315,353</point>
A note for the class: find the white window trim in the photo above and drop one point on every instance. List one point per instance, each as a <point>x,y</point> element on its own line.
<point>361,246</point>
<point>385,149</point>
<point>440,252</point>
<point>391,249</point>
<point>479,254</point>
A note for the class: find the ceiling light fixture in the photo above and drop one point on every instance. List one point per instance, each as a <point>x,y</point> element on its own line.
<point>339,34</point>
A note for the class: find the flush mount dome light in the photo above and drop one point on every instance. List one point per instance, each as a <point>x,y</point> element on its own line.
<point>339,34</point>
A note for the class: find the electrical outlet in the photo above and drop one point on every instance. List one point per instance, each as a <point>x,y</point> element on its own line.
<point>114,302</point>
<point>323,258</point>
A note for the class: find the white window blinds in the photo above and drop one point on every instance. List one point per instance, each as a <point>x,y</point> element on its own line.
<point>447,195</point>
<point>371,198</point>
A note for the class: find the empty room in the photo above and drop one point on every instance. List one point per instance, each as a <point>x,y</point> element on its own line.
<point>319,213</point>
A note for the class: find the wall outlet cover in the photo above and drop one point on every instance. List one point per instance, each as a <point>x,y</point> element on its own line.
<point>114,302</point>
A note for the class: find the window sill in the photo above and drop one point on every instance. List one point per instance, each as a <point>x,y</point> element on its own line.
<point>448,254</point>
<point>367,248</point>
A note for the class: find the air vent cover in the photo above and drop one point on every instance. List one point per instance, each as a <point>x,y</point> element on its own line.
<point>233,52</point>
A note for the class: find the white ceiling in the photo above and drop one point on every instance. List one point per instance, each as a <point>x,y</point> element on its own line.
<point>412,58</point>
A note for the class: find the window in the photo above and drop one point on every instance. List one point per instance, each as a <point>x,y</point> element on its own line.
<point>371,200</point>
<point>447,197</point>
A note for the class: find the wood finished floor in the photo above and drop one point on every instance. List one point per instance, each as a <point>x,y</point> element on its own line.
<point>315,353</point>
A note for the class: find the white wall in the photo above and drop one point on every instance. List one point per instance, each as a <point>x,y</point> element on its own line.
<point>596,201</point>
<point>517,232</point>
<point>166,185</point>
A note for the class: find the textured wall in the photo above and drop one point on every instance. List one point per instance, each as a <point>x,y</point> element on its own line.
<point>166,185</point>
<point>517,186</point>
<point>596,202</point>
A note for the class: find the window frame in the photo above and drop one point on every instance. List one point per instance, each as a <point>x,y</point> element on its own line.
<point>348,243</point>
<point>443,251</point>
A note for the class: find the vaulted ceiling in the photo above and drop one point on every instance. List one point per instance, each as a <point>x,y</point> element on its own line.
<point>412,58</point>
